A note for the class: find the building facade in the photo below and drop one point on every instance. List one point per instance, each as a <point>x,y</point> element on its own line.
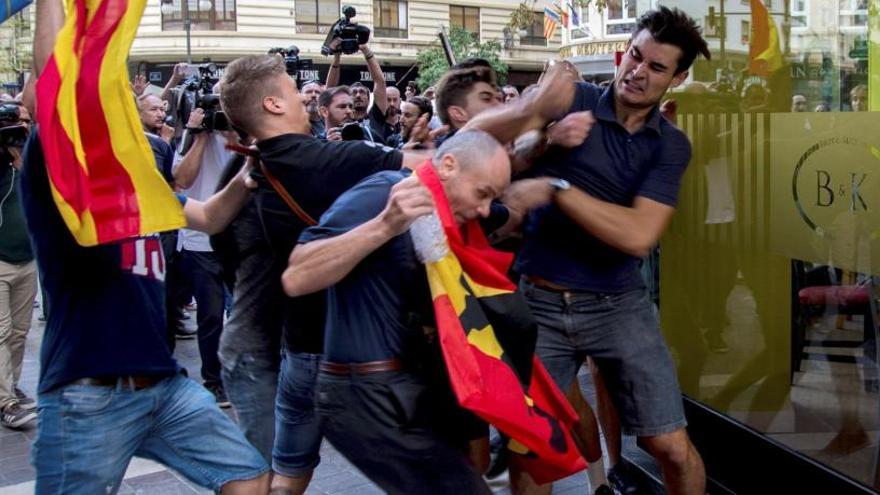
<point>227,29</point>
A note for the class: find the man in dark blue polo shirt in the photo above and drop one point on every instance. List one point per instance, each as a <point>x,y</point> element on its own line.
<point>613,196</point>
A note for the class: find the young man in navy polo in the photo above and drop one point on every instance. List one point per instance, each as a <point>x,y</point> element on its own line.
<point>612,198</point>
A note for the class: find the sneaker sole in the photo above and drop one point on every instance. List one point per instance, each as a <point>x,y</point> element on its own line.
<point>21,421</point>
<point>179,336</point>
<point>27,406</point>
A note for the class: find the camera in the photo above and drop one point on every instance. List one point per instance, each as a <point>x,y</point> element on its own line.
<point>12,134</point>
<point>349,33</point>
<point>197,91</point>
<point>352,131</point>
<point>291,59</point>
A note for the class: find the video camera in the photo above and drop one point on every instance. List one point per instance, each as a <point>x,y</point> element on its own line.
<point>291,59</point>
<point>349,33</point>
<point>12,133</point>
<point>197,91</point>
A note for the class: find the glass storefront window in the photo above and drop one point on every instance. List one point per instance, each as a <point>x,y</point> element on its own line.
<point>769,272</point>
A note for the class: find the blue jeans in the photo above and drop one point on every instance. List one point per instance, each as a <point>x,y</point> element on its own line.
<point>250,382</point>
<point>87,435</point>
<point>297,428</point>
<point>205,275</point>
<point>622,335</point>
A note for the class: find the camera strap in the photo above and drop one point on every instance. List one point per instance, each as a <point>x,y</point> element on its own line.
<point>288,199</point>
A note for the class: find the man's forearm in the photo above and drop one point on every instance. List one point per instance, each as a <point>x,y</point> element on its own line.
<point>188,169</point>
<point>214,215</point>
<point>320,264</point>
<point>50,19</point>
<point>380,96</point>
<point>333,73</point>
<point>625,228</point>
<point>507,122</point>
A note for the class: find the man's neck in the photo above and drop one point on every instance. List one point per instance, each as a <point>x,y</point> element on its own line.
<point>360,114</point>
<point>315,117</point>
<point>632,119</point>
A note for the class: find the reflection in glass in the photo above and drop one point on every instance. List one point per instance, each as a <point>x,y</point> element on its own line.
<point>768,272</point>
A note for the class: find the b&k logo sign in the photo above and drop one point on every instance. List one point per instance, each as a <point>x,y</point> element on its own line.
<point>824,187</point>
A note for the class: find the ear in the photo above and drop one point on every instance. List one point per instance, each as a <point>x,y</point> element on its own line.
<point>678,79</point>
<point>324,111</point>
<point>448,167</point>
<point>457,114</point>
<point>272,104</point>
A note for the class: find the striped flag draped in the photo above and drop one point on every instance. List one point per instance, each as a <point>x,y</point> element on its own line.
<point>102,172</point>
<point>551,22</point>
<point>488,335</point>
<point>9,8</point>
<point>765,56</point>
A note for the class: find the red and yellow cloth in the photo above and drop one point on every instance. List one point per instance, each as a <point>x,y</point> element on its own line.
<point>487,335</point>
<point>102,172</point>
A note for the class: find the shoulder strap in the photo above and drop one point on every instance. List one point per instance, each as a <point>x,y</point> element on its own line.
<point>288,199</point>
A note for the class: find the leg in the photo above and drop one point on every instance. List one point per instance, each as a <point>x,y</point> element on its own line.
<point>251,385</point>
<point>194,437</point>
<point>86,437</point>
<point>682,467</point>
<point>7,381</point>
<point>21,300</point>
<point>297,428</point>
<point>608,417</point>
<point>204,271</point>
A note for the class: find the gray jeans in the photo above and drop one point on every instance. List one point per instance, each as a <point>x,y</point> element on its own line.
<point>18,287</point>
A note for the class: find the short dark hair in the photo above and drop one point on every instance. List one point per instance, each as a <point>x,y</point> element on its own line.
<point>413,85</point>
<point>246,81</point>
<point>359,84</point>
<point>327,96</point>
<point>456,84</point>
<point>674,27</point>
<point>424,105</point>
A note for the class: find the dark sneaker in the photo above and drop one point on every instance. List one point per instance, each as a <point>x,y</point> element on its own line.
<point>24,401</point>
<point>219,395</point>
<point>183,333</point>
<point>14,416</point>
<point>604,490</point>
<point>624,481</point>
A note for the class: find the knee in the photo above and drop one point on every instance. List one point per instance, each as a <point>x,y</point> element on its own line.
<point>673,450</point>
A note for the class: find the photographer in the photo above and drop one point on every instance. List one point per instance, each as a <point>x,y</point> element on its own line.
<point>18,275</point>
<point>336,108</point>
<point>198,173</point>
<point>372,119</point>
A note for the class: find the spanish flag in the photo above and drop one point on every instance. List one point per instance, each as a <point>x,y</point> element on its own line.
<point>102,172</point>
<point>765,56</point>
<point>488,335</point>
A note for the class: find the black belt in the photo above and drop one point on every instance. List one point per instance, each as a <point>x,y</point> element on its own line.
<point>133,382</point>
<point>367,368</point>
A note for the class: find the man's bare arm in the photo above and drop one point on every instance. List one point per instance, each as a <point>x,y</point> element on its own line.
<point>214,215</point>
<point>316,265</point>
<point>187,170</point>
<point>333,73</point>
<point>380,96</point>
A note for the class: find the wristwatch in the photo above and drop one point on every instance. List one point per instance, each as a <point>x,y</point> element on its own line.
<point>559,185</point>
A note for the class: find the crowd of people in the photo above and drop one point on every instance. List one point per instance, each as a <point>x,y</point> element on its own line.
<point>314,318</point>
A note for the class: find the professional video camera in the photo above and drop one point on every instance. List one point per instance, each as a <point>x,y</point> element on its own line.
<point>352,131</point>
<point>197,91</point>
<point>349,33</point>
<point>291,59</point>
<point>12,133</point>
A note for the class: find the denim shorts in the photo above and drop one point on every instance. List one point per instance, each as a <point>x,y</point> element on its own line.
<point>297,428</point>
<point>251,382</point>
<point>622,335</point>
<point>87,435</point>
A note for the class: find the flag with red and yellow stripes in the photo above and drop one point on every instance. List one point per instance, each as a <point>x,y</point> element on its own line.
<point>102,172</point>
<point>487,335</point>
<point>765,56</point>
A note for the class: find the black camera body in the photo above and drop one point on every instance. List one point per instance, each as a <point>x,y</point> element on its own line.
<point>352,131</point>
<point>12,133</point>
<point>350,34</point>
<point>292,62</point>
<point>197,91</point>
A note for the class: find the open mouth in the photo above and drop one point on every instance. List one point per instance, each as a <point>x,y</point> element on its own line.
<point>632,87</point>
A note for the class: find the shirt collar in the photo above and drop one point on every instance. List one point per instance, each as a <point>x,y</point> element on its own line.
<point>605,110</point>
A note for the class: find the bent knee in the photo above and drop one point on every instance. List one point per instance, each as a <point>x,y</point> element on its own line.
<point>671,449</point>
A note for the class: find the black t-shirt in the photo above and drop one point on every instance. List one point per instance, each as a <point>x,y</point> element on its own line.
<point>314,173</point>
<point>164,154</point>
<point>377,311</point>
<point>107,302</point>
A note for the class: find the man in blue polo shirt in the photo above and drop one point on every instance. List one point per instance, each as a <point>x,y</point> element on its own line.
<point>612,198</point>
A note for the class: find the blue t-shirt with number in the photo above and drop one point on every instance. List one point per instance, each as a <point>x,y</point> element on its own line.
<point>106,303</point>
